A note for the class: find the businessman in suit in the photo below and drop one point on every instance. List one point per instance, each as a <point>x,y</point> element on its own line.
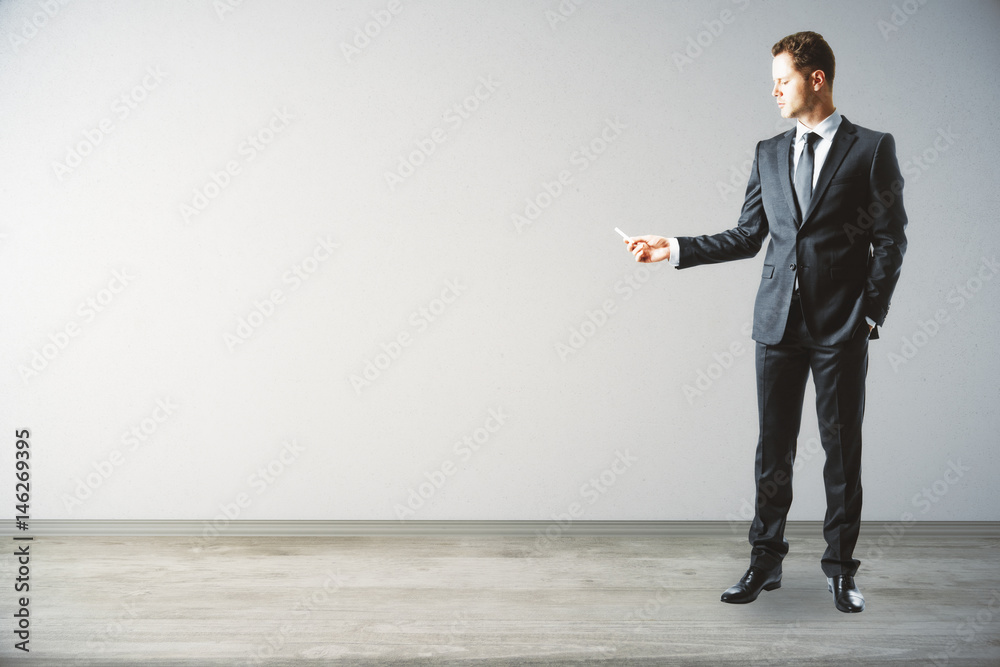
<point>829,194</point>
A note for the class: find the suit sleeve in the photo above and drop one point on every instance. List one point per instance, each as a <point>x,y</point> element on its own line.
<point>887,234</point>
<point>741,242</point>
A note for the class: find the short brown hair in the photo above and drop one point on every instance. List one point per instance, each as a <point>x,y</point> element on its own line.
<point>809,52</point>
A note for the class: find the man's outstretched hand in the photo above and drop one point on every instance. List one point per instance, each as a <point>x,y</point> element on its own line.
<point>649,248</point>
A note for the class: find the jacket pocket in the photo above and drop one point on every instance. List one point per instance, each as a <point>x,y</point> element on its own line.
<point>847,180</point>
<point>768,271</point>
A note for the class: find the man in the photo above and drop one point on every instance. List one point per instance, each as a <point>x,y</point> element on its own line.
<point>829,193</point>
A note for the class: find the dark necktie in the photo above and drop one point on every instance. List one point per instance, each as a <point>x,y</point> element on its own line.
<point>804,174</point>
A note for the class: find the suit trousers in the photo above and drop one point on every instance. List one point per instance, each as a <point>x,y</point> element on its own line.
<point>839,373</point>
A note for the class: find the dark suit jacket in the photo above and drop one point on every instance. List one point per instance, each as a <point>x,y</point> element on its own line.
<point>847,251</point>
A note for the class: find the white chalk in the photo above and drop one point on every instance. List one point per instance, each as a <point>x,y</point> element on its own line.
<point>624,235</point>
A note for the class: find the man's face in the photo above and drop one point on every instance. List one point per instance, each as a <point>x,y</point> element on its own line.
<point>794,95</point>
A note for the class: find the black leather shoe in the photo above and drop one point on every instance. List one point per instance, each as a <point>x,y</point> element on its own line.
<point>753,582</point>
<point>846,595</point>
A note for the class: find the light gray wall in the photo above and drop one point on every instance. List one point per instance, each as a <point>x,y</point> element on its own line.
<point>197,80</point>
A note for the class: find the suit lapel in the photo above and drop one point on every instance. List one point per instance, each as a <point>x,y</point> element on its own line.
<point>842,142</point>
<point>784,160</point>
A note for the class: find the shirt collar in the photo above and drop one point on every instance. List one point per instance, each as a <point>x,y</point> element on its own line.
<point>826,128</point>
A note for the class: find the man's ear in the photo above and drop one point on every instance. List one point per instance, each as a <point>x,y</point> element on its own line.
<point>817,79</point>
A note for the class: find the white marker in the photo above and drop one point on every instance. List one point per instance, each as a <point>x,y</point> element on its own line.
<point>624,235</point>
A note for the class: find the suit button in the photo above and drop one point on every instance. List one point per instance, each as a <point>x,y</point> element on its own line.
<point>791,266</point>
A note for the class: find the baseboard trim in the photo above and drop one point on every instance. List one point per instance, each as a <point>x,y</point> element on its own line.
<point>277,528</point>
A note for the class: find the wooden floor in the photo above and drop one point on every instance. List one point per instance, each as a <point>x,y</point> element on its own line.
<point>492,601</point>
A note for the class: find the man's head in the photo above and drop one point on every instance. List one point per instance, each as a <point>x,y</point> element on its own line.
<point>802,69</point>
